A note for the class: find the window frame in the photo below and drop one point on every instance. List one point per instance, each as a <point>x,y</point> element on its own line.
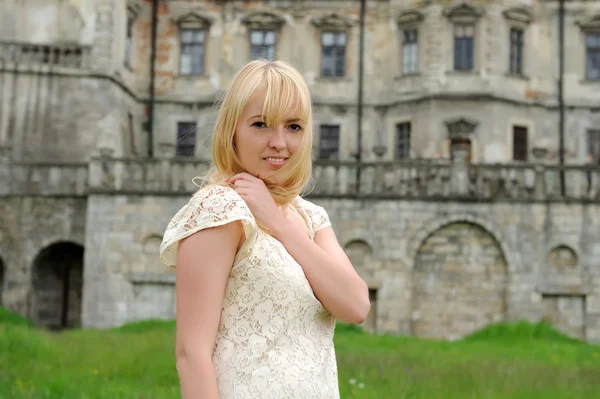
<point>263,21</point>
<point>130,36</point>
<point>185,142</point>
<point>516,51</point>
<point>193,22</point>
<point>467,67</point>
<point>409,20</point>
<point>405,153</point>
<point>595,51</point>
<point>517,18</point>
<point>465,15</point>
<point>589,26</point>
<point>263,46</point>
<point>593,156</point>
<point>336,154</point>
<point>333,23</point>
<point>343,56</point>
<point>192,45</point>
<point>520,154</point>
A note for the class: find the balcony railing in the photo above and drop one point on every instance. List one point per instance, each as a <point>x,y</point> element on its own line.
<point>422,180</point>
<point>45,179</point>
<point>166,176</point>
<point>30,54</point>
<point>410,180</point>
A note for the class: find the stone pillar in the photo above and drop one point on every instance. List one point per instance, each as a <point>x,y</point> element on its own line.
<point>459,180</point>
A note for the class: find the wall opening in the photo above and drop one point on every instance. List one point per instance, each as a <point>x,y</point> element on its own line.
<point>459,282</point>
<point>57,286</point>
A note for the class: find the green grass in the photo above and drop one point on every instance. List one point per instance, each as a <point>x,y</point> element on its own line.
<point>512,360</point>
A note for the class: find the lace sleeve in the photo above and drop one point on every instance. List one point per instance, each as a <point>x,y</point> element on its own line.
<point>211,207</point>
<point>317,214</point>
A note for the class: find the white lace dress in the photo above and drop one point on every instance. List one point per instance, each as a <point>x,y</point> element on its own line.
<point>275,339</point>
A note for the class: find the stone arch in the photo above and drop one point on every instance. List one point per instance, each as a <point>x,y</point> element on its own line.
<point>459,282</point>
<point>151,244</point>
<point>439,221</point>
<point>562,258</point>
<point>57,286</point>
<point>359,252</point>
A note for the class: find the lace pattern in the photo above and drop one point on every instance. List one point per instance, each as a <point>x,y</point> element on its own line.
<point>275,339</point>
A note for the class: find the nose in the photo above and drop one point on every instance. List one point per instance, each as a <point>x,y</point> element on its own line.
<point>278,138</point>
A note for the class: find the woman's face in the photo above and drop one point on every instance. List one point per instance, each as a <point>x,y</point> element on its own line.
<point>263,149</point>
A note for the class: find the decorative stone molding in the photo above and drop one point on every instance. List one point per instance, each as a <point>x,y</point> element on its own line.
<point>520,15</point>
<point>409,17</point>
<point>193,20</point>
<point>133,8</point>
<point>461,127</point>
<point>463,13</point>
<point>263,20</point>
<point>438,222</point>
<point>332,21</point>
<point>590,24</point>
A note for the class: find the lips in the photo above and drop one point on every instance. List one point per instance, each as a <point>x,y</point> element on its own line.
<point>276,160</point>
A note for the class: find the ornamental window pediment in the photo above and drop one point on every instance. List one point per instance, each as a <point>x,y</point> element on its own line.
<point>263,20</point>
<point>463,13</point>
<point>409,17</point>
<point>332,21</point>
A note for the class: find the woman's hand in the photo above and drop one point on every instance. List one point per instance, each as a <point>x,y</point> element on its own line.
<point>258,198</point>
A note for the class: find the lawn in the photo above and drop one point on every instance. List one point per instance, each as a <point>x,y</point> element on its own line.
<point>516,361</point>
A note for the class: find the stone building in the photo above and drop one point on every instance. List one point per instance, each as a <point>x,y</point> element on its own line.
<point>437,152</point>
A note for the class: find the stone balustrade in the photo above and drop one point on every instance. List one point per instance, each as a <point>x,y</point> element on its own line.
<point>149,176</point>
<point>445,180</point>
<point>413,179</point>
<point>45,179</point>
<point>31,54</point>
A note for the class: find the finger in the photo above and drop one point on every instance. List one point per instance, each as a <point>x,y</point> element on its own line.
<point>242,192</point>
<point>242,183</point>
<point>234,178</point>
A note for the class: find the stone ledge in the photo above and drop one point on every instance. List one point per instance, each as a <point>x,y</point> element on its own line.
<point>152,278</point>
<point>564,289</point>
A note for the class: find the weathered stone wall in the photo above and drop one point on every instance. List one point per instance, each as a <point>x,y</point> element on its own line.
<point>439,269</point>
<point>28,225</point>
<point>48,117</point>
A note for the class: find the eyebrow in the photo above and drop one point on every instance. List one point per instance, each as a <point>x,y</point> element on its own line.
<point>288,121</point>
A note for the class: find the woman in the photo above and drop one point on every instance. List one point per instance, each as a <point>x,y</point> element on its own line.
<point>261,278</point>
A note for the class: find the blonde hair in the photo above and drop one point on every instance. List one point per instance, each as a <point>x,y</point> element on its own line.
<point>286,93</point>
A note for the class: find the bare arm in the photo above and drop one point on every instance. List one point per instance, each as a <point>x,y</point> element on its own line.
<point>328,270</point>
<point>326,266</point>
<point>204,261</point>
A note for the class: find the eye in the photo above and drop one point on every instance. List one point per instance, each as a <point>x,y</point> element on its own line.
<point>259,124</point>
<point>295,127</point>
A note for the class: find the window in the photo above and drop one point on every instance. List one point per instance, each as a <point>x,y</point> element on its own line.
<point>410,51</point>
<point>463,47</point>
<point>186,139</point>
<point>516,51</point>
<point>402,141</point>
<point>592,53</point>
<point>593,145</point>
<point>130,126</point>
<point>262,44</point>
<point>329,142</point>
<point>129,41</point>
<point>192,51</point>
<point>333,53</point>
<point>520,143</point>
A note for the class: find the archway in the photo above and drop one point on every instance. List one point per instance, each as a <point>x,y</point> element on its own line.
<point>359,252</point>
<point>57,286</point>
<point>459,282</point>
